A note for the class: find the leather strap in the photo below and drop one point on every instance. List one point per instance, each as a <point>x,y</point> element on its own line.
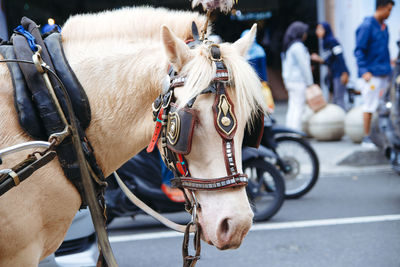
<point>16,177</point>
<point>198,184</point>
<point>156,133</point>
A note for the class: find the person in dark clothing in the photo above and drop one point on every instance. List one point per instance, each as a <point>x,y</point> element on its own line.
<point>334,59</point>
<point>373,60</point>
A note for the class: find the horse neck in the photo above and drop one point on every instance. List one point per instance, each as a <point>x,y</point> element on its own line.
<point>121,88</point>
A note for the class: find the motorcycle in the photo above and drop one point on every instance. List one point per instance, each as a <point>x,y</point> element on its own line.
<point>294,158</point>
<point>143,176</point>
<point>385,131</point>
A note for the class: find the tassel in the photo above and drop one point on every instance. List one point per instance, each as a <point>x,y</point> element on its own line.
<point>224,5</point>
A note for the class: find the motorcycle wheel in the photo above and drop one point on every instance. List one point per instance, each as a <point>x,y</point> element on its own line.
<point>299,165</point>
<point>263,175</point>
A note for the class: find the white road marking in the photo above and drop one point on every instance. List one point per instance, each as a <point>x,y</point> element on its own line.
<point>325,222</point>
<point>268,226</point>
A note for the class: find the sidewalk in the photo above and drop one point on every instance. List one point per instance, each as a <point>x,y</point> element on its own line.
<point>342,156</point>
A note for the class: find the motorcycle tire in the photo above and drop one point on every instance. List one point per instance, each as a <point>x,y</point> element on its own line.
<point>263,175</point>
<point>301,165</point>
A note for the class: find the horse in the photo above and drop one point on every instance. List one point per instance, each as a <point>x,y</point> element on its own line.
<point>121,58</point>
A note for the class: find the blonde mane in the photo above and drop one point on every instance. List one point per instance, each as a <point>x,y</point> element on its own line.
<point>133,24</point>
<point>200,71</point>
<point>138,26</point>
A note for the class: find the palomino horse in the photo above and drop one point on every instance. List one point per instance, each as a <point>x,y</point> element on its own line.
<point>121,58</point>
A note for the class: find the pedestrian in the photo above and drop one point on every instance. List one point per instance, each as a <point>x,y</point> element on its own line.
<point>296,72</point>
<point>257,58</point>
<point>373,60</point>
<point>333,58</point>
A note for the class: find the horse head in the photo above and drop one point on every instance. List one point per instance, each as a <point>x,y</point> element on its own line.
<point>221,93</point>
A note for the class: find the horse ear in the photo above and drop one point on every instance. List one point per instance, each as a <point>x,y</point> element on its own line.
<point>177,51</point>
<point>243,44</point>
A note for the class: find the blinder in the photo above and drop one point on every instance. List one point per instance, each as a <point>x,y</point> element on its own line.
<point>253,133</point>
<point>180,129</point>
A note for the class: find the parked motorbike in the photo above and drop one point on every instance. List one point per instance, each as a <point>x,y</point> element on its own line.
<point>385,131</point>
<point>142,175</point>
<point>294,158</point>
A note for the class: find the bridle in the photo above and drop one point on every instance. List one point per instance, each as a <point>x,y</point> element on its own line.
<point>174,129</point>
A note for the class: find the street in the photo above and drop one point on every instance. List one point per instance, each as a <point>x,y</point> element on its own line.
<point>346,220</point>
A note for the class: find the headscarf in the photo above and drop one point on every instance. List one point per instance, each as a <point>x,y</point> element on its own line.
<point>293,34</point>
<point>328,41</point>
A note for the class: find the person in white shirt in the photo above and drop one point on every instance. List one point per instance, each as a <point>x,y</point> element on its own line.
<point>296,72</point>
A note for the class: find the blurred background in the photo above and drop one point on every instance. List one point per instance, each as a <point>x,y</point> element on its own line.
<point>272,16</point>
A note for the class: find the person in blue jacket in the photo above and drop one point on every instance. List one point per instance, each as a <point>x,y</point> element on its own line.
<point>373,60</point>
<point>333,58</point>
<point>257,58</point>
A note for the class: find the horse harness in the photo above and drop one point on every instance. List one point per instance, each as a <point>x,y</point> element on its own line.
<point>175,127</point>
<point>59,113</point>
<point>43,113</point>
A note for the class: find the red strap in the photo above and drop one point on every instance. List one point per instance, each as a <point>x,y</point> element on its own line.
<point>157,132</point>
<point>182,168</point>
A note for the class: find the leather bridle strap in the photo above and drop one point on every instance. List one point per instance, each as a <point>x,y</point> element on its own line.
<point>197,184</point>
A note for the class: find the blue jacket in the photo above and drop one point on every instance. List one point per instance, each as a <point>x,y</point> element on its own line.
<point>334,57</point>
<point>372,52</point>
<point>257,58</point>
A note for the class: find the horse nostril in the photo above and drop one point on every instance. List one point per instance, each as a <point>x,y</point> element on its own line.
<point>224,226</point>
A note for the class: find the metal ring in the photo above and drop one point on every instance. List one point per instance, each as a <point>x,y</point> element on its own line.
<point>194,208</point>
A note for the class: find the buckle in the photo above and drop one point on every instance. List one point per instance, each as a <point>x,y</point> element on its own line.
<point>215,53</point>
<point>166,99</point>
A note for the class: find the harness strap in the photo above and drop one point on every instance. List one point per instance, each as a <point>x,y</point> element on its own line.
<point>14,177</point>
<point>198,184</point>
<point>93,186</point>
<point>156,133</point>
